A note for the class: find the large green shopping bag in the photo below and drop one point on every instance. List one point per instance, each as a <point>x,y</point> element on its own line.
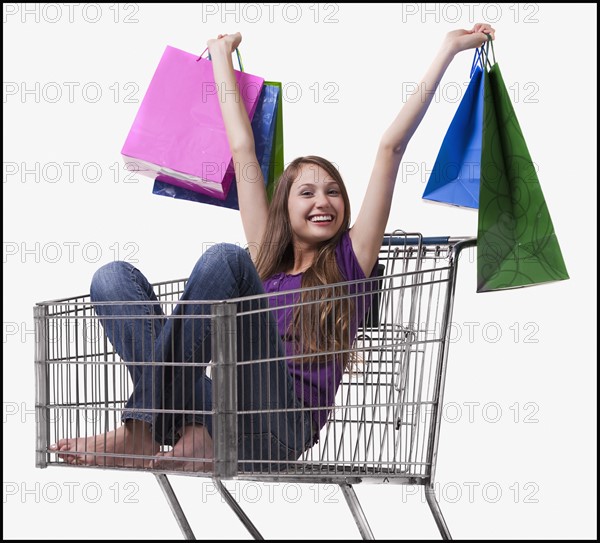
<point>277,162</point>
<point>516,242</point>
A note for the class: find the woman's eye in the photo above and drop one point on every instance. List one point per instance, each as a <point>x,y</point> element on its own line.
<point>334,192</point>
<point>306,193</point>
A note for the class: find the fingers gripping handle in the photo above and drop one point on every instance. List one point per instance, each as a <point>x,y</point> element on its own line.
<point>481,57</point>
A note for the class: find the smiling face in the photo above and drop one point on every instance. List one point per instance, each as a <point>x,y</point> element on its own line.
<point>315,206</point>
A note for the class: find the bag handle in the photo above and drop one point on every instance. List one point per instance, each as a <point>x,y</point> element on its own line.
<point>489,43</point>
<point>239,57</point>
<point>481,57</point>
<point>476,61</point>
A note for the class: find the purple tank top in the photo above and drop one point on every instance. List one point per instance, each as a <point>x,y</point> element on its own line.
<point>316,384</point>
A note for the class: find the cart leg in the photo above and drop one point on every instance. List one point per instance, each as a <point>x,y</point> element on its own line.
<point>357,512</point>
<point>167,489</point>
<point>237,509</point>
<point>437,512</point>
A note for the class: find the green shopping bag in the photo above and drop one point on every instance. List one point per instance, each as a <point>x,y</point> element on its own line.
<point>516,242</point>
<point>276,163</point>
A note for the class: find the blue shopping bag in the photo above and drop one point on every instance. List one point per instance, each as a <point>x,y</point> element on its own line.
<point>455,177</point>
<point>263,128</point>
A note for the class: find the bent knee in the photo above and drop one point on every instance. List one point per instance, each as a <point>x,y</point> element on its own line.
<point>106,280</point>
<point>226,250</point>
<point>226,253</point>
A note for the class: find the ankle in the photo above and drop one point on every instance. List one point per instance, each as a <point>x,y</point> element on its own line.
<point>138,427</point>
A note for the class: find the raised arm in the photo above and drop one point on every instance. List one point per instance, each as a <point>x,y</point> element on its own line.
<point>252,194</point>
<point>367,232</point>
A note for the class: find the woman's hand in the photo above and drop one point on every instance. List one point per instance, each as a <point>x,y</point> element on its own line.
<point>252,195</point>
<point>225,42</point>
<point>461,40</point>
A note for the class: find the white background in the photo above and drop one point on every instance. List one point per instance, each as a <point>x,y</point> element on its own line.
<point>521,461</point>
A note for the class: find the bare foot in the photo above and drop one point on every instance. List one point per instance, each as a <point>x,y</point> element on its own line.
<point>133,438</point>
<point>195,442</point>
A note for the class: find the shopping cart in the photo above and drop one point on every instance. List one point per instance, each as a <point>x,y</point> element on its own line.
<point>383,428</point>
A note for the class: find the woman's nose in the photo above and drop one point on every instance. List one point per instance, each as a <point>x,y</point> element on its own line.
<point>322,201</point>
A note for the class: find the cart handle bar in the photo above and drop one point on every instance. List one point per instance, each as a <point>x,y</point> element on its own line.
<point>402,240</point>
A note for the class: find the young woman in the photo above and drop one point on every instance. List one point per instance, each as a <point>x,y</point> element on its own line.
<point>302,240</point>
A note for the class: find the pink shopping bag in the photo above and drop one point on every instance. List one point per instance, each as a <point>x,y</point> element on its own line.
<point>178,131</point>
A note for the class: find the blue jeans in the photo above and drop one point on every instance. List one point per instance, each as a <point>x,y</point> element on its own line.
<point>273,426</point>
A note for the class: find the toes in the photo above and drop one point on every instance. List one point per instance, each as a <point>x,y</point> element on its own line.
<point>61,443</point>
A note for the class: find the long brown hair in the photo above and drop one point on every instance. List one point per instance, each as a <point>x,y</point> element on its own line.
<point>321,321</point>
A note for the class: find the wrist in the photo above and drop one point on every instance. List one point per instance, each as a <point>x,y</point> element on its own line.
<point>218,48</point>
<point>449,49</point>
